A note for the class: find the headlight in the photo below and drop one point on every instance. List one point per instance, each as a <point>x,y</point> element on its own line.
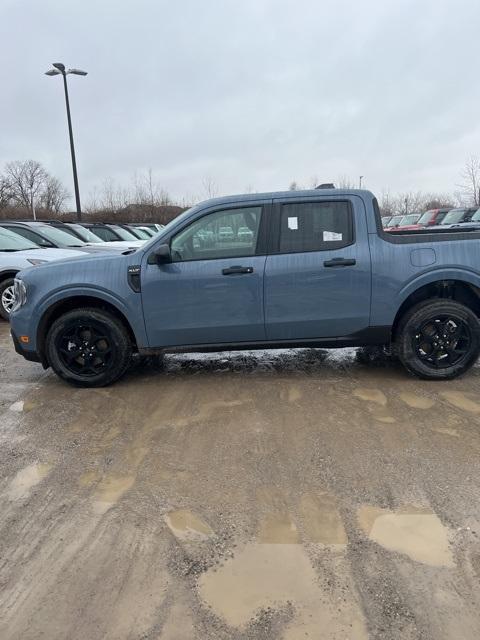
<point>20,294</point>
<point>34,261</point>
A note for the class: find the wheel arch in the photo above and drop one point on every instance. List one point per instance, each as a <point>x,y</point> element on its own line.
<point>461,291</point>
<point>74,302</point>
<point>8,273</point>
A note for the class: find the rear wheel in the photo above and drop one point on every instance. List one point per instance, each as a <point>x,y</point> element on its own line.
<point>438,339</point>
<point>88,347</point>
<point>7,297</point>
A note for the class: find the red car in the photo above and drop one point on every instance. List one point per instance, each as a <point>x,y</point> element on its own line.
<point>427,219</point>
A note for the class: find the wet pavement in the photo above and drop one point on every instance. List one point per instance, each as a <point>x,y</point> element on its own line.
<point>256,496</point>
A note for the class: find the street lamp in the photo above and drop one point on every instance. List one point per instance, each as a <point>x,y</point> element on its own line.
<point>59,69</point>
<point>360,181</point>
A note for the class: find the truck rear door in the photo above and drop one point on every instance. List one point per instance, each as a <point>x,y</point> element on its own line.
<point>318,271</point>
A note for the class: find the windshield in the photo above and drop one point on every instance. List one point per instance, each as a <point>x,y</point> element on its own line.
<point>10,241</point>
<point>124,234</point>
<point>476,216</point>
<point>426,217</point>
<point>60,237</point>
<point>87,235</point>
<point>456,215</point>
<point>395,220</point>
<point>410,219</point>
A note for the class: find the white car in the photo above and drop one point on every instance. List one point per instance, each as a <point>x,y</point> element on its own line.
<point>93,240</point>
<point>17,253</point>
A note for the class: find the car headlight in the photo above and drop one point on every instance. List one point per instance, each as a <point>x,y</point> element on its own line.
<point>20,294</point>
<point>35,261</point>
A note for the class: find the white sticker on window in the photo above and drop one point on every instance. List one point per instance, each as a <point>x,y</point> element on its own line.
<point>331,236</point>
<point>292,223</point>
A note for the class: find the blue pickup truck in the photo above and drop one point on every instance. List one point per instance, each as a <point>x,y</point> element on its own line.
<point>297,269</point>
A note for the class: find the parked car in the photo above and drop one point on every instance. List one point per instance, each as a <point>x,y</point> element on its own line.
<point>47,236</point>
<point>244,233</point>
<point>319,271</point>
<point>112,233</point>
<point>137,232</point>
<point>225,234</point>
<point>386,220</point>
<point>77,231</point>
<point>433,217</point>
<point>394,222</point>
<point>146,230</point>
<point>474,222</point>
<point>457,216</point>
<point>153,226</point>
<point>407,222</point>
<point>17,253</point>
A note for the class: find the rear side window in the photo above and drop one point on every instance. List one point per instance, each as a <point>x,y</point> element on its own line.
<point>315,226</point>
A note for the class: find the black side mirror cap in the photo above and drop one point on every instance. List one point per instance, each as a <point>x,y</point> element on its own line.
<point>161,255</point>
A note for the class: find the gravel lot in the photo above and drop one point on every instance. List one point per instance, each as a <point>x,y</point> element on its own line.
<point>272,495</point>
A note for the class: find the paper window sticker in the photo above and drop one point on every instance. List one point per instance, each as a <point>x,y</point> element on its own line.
<point>292,223</point>
<point>331,236</point>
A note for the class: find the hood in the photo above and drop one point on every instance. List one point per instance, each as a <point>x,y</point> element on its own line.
<point>121,245</point>
<point>49,254</point>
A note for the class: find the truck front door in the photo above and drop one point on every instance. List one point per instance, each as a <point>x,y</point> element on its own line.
<point>212,291</point>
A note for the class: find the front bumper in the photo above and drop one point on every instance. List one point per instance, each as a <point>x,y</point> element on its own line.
<point>32,356</point>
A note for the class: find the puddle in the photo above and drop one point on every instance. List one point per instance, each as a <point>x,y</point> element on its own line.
<point>321,520</point>
<point>417,402</point>
<point>109,491</point>
<point>185,525</point>
<point>292,394</point>
<point>89,478</point>
<point>278,528</point>
<point>415,532</point>
<point>384,417</point>
<point>26,479</point>
<point>262,576</point>
<point>371,395</point>
<point>461,401</point>
<point>207,410</point>
<point>447,431</point>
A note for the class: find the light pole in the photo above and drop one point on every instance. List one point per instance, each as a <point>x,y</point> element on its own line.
<point>360,181</point>
<point>59,69</point>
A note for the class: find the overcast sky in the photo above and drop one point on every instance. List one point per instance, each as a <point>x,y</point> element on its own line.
<point>251,93</point>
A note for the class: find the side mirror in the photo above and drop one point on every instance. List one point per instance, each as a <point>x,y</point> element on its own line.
<point>162,254</point>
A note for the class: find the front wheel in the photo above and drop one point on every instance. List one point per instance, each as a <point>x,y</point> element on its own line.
<point>7,297</point>
<point>438,339</point>
<point>88,347</point>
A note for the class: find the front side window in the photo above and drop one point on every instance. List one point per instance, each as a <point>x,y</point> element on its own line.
<point>315,226</point>
<point>223,234</point>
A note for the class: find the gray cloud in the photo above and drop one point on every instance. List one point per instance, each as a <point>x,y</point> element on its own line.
<point>258,92</point>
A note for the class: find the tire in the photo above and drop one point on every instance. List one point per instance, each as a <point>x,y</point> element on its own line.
<point>88,347</point>
<point>6,297</point>
<point>438,339</point>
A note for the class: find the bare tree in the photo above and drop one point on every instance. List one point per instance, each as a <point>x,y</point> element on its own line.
<point>27,179</point>
<point>471,181</point>
<point>113,197</point>
<point>345,182</point>
<point>210,187</point>
<point>5,193</point>
<point>293,186</point>
<point>53,196</point>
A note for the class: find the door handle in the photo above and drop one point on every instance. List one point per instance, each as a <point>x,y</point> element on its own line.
<point>340,262</point>
<point>231,271</point>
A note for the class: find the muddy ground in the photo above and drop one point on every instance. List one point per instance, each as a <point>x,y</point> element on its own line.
<point>283,495</point>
